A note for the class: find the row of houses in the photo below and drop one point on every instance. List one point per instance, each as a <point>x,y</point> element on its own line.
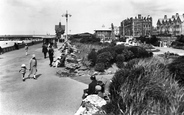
<point>171,26</point>
<point>143,26</point>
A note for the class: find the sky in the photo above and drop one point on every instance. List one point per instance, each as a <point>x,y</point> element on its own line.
<point>39,17</point>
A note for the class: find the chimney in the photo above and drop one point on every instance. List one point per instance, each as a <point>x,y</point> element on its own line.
<point>165,16</point>
<point>173,16</point>
<point>177,14</point>
<point>139,16</point>
<point>59,24</point>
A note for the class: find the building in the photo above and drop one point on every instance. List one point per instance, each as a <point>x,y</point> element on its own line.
<point>171,26</point>
<point>138,26</point>
<point>116,30</point>
<point>105,35</point>
<point>59,29</point>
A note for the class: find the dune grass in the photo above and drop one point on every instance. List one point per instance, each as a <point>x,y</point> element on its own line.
<point>147,88</point>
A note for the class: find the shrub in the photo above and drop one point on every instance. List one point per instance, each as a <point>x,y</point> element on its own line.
<point>119,60</point>
<point>139,52</point>
<point>177,69</point>
<point>120,64</point>
<point>128,55</point>
<point>100,67</point>
<point>92,57</point>
<point>107,49</point>
<point>92,39</point>
<point>105,58</point>
<point>119,49</point>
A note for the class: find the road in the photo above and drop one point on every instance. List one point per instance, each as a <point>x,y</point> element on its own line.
<point>171,50</point>
<point>48,95</point>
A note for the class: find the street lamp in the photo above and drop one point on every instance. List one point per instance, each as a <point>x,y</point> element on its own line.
<point>66,28</point>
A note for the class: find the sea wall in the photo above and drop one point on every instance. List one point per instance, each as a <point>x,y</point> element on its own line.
<point>11,48</point>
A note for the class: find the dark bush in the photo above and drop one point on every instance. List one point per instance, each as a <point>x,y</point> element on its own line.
<point>119,49</point>
<point>120,64</point>
<point>180,39</point>
<point>128,55</point>
<point>92,57</point>
<point>92,39</point>
<point>131,63</point>
<point>100,67</point>
<point>177,69</point>
<point>105,58</point>
<point>139,52</point>
<point>149,40</point>
<point>119,60</point>
<point>108,49</point>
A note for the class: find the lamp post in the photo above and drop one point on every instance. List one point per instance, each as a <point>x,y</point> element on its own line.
<point>66,28</point>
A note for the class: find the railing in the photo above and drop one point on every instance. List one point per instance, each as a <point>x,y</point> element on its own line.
<point>11,48</point>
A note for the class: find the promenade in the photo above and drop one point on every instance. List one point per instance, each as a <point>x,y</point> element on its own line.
<point>47,95</point>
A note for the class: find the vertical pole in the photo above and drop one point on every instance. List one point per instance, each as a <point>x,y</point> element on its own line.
<point>66,25</point>
<point>66,28</point>
<point>133,27</point>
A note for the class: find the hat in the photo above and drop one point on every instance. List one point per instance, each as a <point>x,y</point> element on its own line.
<point>33,55</point>
<point>23,65</point>
<point>98,87</point>
<point>93,77</point>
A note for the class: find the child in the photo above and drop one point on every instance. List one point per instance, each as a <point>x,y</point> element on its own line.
<point>23,71</point>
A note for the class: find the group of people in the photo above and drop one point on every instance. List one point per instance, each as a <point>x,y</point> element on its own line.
<point>48,49</point>
<point>33,61</point>
<point>32,68</point>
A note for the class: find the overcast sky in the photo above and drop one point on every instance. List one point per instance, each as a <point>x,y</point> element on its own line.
<point>40,16</point>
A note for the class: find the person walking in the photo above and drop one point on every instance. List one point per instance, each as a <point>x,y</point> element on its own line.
<point>23,71</point>
<point>26,48</point>
<point>33,66</point>
<point>51,55</point>
<point>44,50</point>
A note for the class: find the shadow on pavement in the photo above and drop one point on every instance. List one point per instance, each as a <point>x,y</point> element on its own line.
<point>37,76</point>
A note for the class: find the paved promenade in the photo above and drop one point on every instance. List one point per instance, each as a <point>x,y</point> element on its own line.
<point>48,95</point>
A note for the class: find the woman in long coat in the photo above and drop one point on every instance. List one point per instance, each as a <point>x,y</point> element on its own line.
<point>33,66</point>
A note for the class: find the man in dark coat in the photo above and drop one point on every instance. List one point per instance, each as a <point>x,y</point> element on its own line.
<point>92,85</point>
<point>51,55</point>
<point>44,50</point>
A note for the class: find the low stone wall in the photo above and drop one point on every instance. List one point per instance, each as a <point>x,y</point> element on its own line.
<point>11,48</point>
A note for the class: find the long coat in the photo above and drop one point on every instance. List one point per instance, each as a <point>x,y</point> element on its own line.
<point>91,88</point>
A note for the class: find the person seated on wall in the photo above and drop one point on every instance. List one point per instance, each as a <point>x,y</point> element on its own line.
<point>57,62</point>
<point>92,85</point>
